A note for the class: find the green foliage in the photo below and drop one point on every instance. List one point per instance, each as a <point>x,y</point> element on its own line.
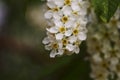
<point>105,9</point>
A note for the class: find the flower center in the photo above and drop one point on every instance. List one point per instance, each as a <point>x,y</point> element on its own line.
<point>62,29</point>
<point>65,42</point>
<point>75,32</point>
<point>100,75</point>
<point>55,9</point>
<point>114,22</point>
<point>106,35</point>
<point>67,2</point>
<point>98,47</point>
<point>64,19</point>
<point>104,64</point>
<point>55,46</point>
<point>113,53</point>
<point>75,12</point>
<point>118,67</point>
<point>77,43</point>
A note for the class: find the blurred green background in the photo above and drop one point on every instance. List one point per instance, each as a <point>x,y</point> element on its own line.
<point>22,54</point>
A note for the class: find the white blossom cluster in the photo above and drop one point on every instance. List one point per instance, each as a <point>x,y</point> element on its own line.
<point>67,26</point>
<point>104,47</point>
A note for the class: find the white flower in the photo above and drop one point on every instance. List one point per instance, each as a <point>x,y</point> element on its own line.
<point>53,53</point>
<point>76,46</point>
<point>60,32</point>
<point>59,3</point>
<point>80,7</point>
<point>54,46</point>
<point>115,20</point>
<point>70,47</point>
<point>104,48</point>
<point>67,10</point>
<point>64,33</point>
<point>96,57</point>
<point>76,49</point>
<point>99,73</point>
<point>79,33</point>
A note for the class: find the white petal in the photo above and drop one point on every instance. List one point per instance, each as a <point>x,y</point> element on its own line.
<point>46,40</point>
<point>50,23</point>
<point>75,6</point>
<point>60,45</point>
<point>60,52</point>
<point>83,21</point>
<point>48,15</point>
<point>48,47</point>
<point>70,47</point>
<point>53,54</point>
<point>69,24</point>
<point>96,57</point>
<point>59,36</point>
<point>49,0</point>
<point>118,74</point>
<point>118,54</point>
<point>51,4</point>
<point>52,30</point>
<point>59,3</point>
<point>82,36</point>
<point>114,61</point>
<point>72,39</point>
<point>80,1</point>
<point>77,49</point>
<point>67,10</point>
<point>56,16</point>
<point>72,18</point>
<point>83,12</point>
<point>118,25</point>
<point>58,23</point>
<point>68,33</point>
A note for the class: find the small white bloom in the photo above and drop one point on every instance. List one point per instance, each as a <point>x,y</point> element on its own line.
<point>48,15</point>
<point>53,53</point>
<point>76,49</point>
<point>59,36</point>
<point>68,33</point>
<point>67,10</point>
<point>70,47</point>
<point>45,40</point>
<point>82,36</point>
<point>59,3</point>
<point>52,30</point>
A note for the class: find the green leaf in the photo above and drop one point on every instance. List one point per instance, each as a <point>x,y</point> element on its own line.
<point>105,9</point>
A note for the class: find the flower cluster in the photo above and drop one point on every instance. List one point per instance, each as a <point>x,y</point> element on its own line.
<point>67,26</point>
<point>105,53</point>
